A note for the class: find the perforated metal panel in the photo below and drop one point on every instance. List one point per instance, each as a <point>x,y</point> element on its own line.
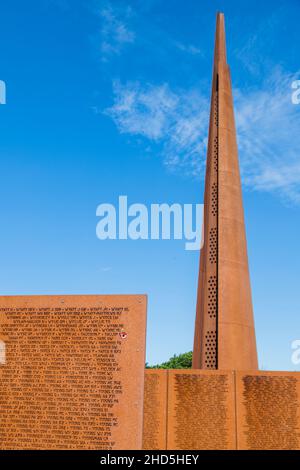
<point>211,310</point>
<point>212,297</point>
<point>213,242</point>
<point>214,199</point>
<point>210,350</point>
<point>215,155</point>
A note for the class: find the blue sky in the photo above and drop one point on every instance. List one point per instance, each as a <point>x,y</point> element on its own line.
<point>111,98</point>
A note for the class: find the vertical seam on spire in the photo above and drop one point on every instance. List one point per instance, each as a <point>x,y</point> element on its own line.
<point>217,257</point>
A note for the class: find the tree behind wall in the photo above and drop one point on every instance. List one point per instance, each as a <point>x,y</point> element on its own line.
<point>182,361</point>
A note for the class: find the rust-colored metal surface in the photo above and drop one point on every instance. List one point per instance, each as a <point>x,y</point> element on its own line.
<point>155,409</point>
<point>224,328</point>
<point>268,410</point>
<point>201,410</point>
<point>72,372</point>
<point>222,410</point>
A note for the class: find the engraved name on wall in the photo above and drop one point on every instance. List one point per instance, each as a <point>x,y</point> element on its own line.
<point>268,405</point>
<point>201,410</point>
<point>155,410</point>
<point>73,367</point>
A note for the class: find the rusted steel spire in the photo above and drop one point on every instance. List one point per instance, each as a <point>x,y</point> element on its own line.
<point>224,329</point>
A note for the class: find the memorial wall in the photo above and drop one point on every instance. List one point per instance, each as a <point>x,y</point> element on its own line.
<point>72,377</point>
<point>201,410</point>
<point>72,372</point>
<point>155,409</point>
<point>222,410</point>
<point>268,410</point>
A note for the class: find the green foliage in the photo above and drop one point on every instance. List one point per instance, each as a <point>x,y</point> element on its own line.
<point>182,361</point>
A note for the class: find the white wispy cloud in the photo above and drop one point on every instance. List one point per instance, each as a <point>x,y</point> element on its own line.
<point>105,269</point>
<point>249,51</point>
<point>188,48</point>
<point>267,128</point>
<point>115,31</point>
<point>177,120</point>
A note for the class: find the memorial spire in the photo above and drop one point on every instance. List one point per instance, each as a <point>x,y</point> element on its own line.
<point>224,328</point>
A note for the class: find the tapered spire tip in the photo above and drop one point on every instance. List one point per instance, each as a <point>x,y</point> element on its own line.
<point>220,43</point>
